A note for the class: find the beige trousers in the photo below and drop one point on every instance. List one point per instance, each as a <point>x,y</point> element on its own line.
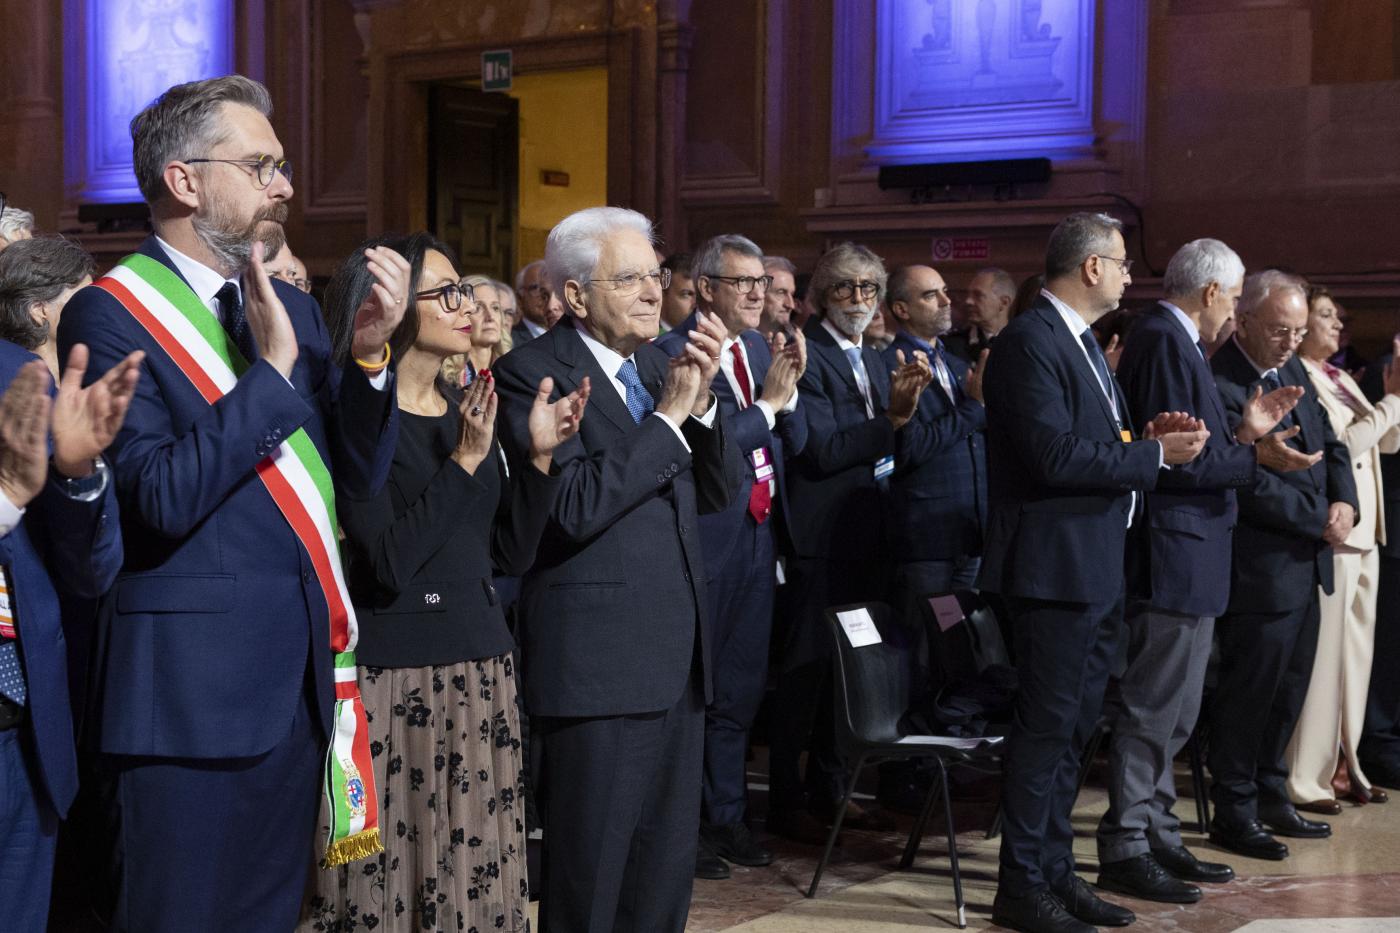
<point>1335,709</point>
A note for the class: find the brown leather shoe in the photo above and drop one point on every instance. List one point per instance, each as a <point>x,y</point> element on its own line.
<point>1326,807</point>
<point>1378,795</point>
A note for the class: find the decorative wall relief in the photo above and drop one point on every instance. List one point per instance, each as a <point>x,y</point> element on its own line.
<point>970,79</point>
<point>128,53</point>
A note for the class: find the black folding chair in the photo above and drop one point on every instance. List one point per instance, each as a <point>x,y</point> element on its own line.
<point>872,694</point>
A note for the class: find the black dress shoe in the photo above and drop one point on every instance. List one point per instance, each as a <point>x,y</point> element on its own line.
<point>1082,903</point>
<point>1285,820</point>
<point>1040,912</point>
<point>734,843</point>
<point>1180,861</point>
<point>1249,838</point>
<point>709,865</point>
<point>1141,876</point>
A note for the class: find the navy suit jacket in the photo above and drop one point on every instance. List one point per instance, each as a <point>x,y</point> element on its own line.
<point>748,430</point>
<point>838,508</point>
<point>1279,554</point>
<point>60,546</point>
<point>613,611</point>
<point>202,644</point>
<point>938,498</point>
<point>520,334</point>
<point>1060,474</point>
<point>1183,564</point>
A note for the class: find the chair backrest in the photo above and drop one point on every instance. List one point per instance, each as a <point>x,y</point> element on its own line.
<point>969,647</point>
<point>872,681</point>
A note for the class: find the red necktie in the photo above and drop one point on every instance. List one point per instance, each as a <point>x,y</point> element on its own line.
<point>761,494</point>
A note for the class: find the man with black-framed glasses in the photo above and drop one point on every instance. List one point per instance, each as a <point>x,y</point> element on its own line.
<point>540,308</point>
<point>756,388</point>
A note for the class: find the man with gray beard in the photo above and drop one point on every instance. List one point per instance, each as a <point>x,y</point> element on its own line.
<point>856,412</point>
<point>216,691</point>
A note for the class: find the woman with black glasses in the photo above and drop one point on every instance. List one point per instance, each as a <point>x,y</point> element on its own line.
<point>435,665</point>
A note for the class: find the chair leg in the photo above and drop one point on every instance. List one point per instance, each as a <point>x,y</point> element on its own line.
<point>916,834</point>
<point>836,826</point>
<point>952,847</point>
<point>1086,761</point>
<point>1198,780</point>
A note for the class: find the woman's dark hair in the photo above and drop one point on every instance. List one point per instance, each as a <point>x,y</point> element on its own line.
<point>33,272</point>
<point>351,283</point>
<point>1026,294</point>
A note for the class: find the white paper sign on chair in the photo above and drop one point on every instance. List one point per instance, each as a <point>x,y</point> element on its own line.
<point>859,627</point>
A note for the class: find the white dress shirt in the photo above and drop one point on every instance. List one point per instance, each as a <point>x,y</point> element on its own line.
<point>844,343</point>
<point>726,366</point>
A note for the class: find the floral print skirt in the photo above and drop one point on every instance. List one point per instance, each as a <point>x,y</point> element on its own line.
<point>445,746</point>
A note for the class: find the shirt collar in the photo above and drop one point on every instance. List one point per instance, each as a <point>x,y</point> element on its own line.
<point>203,281</point>
<point>609,360</point>
<point>921,343</point>
<point>1073,321</point>
<point>842,340</point>
<point>1245,353</point>
<point>1192,330</point>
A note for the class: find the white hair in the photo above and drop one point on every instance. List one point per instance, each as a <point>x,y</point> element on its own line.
<point>1259,286</point>
<point>708,260</point>
<point>576,242</point>
<point>1199,263</point>
<point>14,221</point>
<point>525,270</point>
<point>773,264</point>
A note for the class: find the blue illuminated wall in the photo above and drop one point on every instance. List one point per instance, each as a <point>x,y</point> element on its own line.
<point>977,79</point>
<point>125,53</point>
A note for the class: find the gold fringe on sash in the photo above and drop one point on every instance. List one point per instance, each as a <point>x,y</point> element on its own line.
<point>361,845</point>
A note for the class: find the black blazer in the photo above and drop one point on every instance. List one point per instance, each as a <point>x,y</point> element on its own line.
<point>1279,554</point>
<point>1060,474</point>
<point>422,550</point>
<point>838,507</point>
<point>1183,563</point>
<point>938,497</point>
<point>748,429</point>
<point>613,611</point>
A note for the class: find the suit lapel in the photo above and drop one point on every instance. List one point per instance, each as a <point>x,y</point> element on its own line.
<point>1079,365</point>
<point>570,350</point>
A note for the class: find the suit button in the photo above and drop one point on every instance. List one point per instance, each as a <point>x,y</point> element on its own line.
<point>675,467</point>
<point>306,576</point>
<point>660,477</point>
<point>1358,465</point>
<point>685,529</point>
<point>687,576</point>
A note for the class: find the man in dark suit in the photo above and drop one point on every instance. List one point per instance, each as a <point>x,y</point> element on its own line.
<point>1379,749</point>
<point>938,496</point>
<point>757,396</point>
<point>986,310</point>
<point>215,690</point>
<point>857,417</point>
<point>540,308</point>
<point>1065,479</point>
<point>616,633</point>
<point>59,535</point>
<point>1179,570</point>
<point>1288,523</point>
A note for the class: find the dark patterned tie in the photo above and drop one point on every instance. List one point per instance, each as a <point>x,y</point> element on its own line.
<point>235,322</point>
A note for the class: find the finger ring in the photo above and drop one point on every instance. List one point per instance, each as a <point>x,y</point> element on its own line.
<point>714,357</point>
<point>476,409</point>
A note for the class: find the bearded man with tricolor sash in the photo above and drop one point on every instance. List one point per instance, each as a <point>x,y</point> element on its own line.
<point>224,696</point>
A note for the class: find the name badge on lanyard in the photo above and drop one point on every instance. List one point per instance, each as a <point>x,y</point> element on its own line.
<point>884,466</point>
<point>762,462</point>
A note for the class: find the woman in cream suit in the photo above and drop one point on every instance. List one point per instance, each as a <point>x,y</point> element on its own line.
<point>1336,705</point>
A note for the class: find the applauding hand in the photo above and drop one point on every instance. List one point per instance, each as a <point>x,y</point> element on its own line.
<point>553,423</point>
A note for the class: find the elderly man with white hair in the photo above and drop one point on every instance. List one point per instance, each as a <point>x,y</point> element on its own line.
<point>15,224</point>
<point>540,305</point>
<point>1182,581</point>
<point>615,628</point>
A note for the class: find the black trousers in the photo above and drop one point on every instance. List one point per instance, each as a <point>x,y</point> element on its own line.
<point>620,803</point>
<point>1380,739</point>
<point>1063,655</point>
<point>1266,660</point>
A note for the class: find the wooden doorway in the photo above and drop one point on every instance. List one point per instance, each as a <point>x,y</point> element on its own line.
<point>473,172</point>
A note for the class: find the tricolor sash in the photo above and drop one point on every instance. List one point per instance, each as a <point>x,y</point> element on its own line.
<point>297,479</point>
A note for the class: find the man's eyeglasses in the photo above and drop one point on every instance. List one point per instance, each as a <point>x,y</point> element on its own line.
<point>844,290</point>
<point>629,282</point>
<point>290,278</point>
<point>452,295</point>
<point>264,167</point>
<point>542,290</point>
<point>1286,334</point>
<point>745,283</point>
<point>1126,265</point>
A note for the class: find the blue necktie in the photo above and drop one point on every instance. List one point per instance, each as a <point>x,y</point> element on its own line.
<point>1271,382</point>
<point>639,400</point>
<point>948,370</point>
<point>235,322</point>
<point>12,684</point>
<point>1091,346</point>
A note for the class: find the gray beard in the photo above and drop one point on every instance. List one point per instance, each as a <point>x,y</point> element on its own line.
<point>851,329</point>
<point>233,249</point>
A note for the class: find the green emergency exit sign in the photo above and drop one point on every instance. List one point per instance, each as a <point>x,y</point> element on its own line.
<point>495,70</point>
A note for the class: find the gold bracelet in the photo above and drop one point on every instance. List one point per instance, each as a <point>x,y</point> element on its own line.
<point>374,369</point>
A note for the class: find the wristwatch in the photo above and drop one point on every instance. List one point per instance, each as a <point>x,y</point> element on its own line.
<point>85,488</point>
